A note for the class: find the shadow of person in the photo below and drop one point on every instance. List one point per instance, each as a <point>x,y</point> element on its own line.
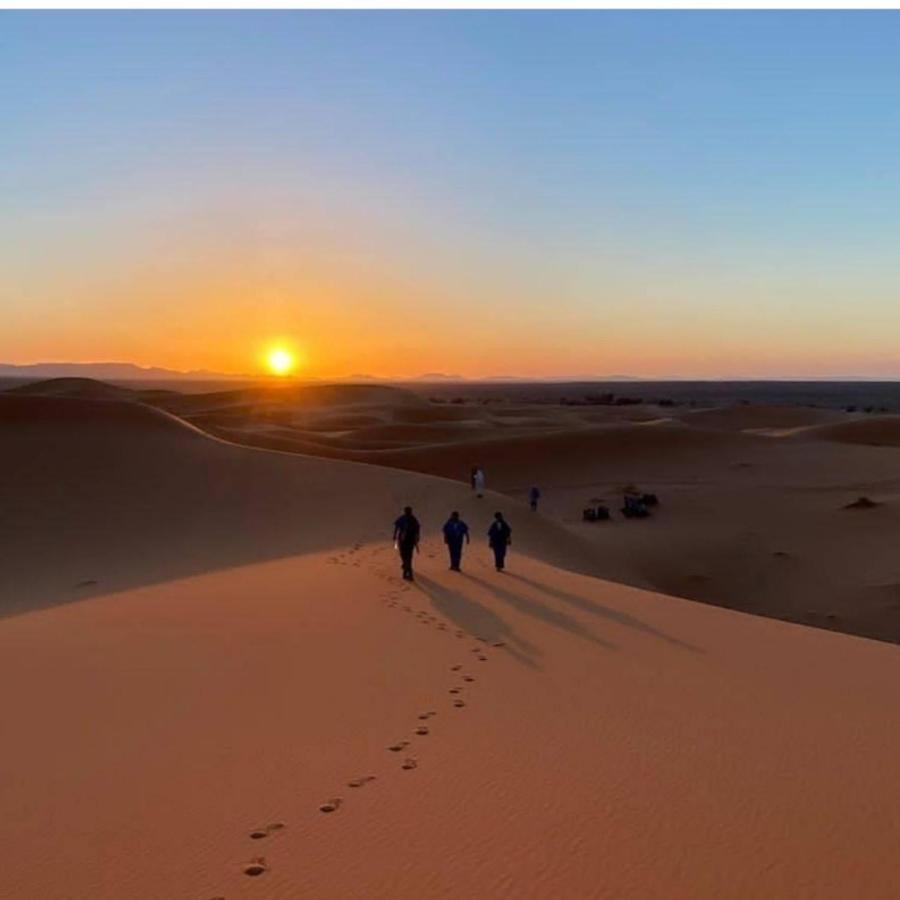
<point>541,611</point>
<point>477,620</point>
<point>605,612</point>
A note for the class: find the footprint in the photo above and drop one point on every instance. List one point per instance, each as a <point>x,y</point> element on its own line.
<point>260,833</point>
<point>400,745</point>
<point>482,658</point>
<point>427,715</point>
<point>458,703</point>
<point>455,690</point>
<point>256,866</point>
<point>468,677</point>
<point>409,764</point>
<point>455,668</point>
<point>360,782</point>
<point>330,806</point>
<point>421,730</point>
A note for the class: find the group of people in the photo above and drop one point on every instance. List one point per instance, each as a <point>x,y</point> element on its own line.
<point>407,531</point>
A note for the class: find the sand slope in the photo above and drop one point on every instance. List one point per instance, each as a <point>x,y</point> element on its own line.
<point>612,743</point>
<point>753,497</point>
<point>103,496</point>
<point>881,431</point>
<point>750,418</point>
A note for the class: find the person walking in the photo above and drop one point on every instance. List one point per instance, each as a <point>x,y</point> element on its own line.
<point>406,540</point>
<point>533,496</point>
<point>455,532</point>
<point>499,539</point>
<point>478,482</point>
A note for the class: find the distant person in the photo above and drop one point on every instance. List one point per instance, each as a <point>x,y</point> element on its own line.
<point>455,532</point>
<point>499,538</point>
<point>479,482</point>
<point>472,475</point>
<point>406,540</point>
<point>533,496</point>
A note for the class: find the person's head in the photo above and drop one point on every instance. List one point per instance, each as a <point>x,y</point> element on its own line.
<point>454,515</point>
<point>407,510</point>
<point>498,516</point>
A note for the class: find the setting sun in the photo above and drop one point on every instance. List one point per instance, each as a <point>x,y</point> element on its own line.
<point>281,361</point>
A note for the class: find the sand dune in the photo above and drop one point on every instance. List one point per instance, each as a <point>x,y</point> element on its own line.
<point>746,521</point>
<point>308,396</point>
<point>515,458</point>
<point>193,504</point>
<point>217,716</point>
<point>748,418</point>
<point>403,434</point>
<point>75,388</point>
<point>878,431</point>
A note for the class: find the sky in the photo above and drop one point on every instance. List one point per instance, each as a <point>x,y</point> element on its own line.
<point>693,194</point>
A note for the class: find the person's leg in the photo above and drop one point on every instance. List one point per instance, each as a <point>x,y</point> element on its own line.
<point>499,553</point>
<point>406,555</point>
<point>455,555</point>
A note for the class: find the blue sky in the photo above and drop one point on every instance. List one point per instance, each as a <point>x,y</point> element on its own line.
<point>692,193</point>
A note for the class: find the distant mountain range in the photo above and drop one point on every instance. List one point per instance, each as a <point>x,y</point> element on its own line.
<point>110,371</point>
<point>120,371</point>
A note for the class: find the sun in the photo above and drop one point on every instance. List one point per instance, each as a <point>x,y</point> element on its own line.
<point>281,361</point>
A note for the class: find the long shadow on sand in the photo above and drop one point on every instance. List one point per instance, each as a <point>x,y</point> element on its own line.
<point>604,612</point>
<point>543,612</point>
<point>101,497</point>
<point>477,620</point>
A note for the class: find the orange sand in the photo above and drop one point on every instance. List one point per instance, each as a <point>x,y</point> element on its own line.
<point>246,650</point>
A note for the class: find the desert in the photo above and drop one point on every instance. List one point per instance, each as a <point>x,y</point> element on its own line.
<point>222,688</point>
<point>449,453</point>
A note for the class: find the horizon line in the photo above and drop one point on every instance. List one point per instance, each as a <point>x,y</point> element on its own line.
<point>12,370</point>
